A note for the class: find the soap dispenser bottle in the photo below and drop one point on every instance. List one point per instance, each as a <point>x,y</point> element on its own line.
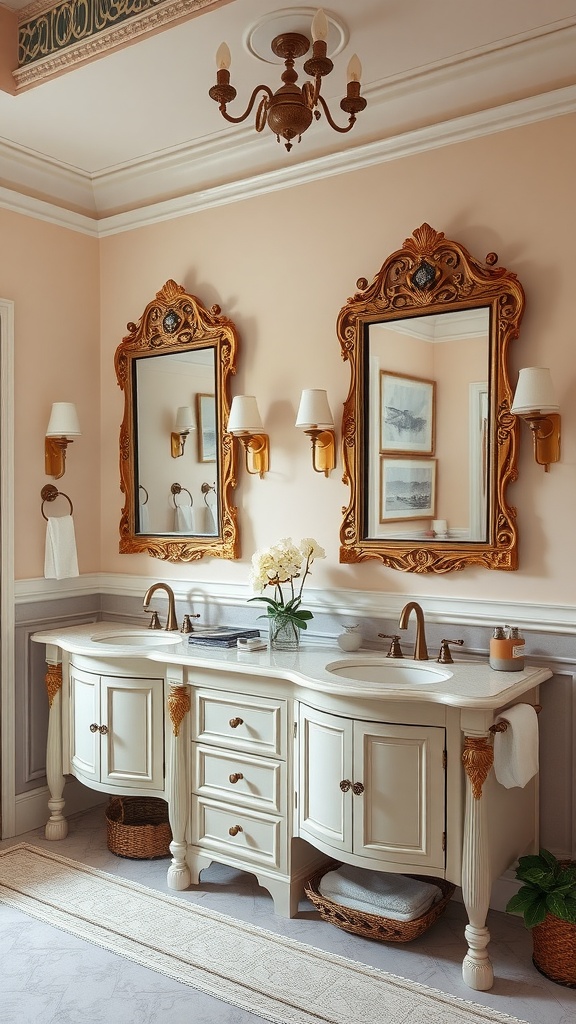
<point>350,639</point>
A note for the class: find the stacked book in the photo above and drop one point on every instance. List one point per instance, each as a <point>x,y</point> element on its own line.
<point>221,636</point>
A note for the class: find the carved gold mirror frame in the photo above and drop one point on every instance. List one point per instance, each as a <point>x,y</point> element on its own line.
<point>431,275</point>
<point>176,323</point>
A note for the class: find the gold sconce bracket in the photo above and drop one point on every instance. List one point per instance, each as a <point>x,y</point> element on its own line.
<point>546,437</point>
<point>257,452</point>
<point>55,456</point>
<point>323,450</point>
<point>177,442</point>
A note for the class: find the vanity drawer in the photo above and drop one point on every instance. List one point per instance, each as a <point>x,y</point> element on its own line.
<point>256,725</point>
<point>251,837</point>
<point>248,781</point>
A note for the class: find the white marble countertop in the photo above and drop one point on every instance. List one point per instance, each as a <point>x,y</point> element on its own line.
<point>465,683</point>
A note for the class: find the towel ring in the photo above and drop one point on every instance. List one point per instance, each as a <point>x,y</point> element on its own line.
<point>142,488</point>
<point>206,488</point>
<point>503,724</point>
<point>177,489</point>
<point>50,493</point>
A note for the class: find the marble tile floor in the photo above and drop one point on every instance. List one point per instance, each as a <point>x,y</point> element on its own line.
<point>51,977</point>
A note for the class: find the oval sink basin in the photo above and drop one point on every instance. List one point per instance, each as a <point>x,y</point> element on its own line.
<point>389,673</point>
<point>137,638</point>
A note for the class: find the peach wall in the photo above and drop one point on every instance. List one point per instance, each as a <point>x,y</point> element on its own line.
<point>281,265</point>
<point>51,274</point>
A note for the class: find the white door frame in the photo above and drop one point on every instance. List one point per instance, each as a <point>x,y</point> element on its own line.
<point>7,618</point>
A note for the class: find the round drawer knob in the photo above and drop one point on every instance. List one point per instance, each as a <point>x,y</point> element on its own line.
<point>235,722</point>
<point>235,830</point>
<point>235,777</point>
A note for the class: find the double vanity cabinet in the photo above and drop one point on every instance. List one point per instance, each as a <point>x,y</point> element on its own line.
<point>272,762</point>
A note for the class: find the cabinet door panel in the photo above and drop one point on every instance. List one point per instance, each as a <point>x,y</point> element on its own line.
<point>325,811</point>
<point>401,812</point>
<point>133,747</point>
<point>85,711</point>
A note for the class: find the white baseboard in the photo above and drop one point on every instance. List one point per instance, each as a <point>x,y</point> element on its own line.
<point>32,808</point>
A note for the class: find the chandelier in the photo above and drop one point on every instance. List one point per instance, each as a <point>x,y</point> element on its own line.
<point>290,110</point>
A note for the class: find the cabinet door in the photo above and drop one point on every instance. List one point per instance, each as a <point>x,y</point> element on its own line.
<point>401,813</point>
<point>132,747</point>
<point>325,760</point>
<point>85,712</point>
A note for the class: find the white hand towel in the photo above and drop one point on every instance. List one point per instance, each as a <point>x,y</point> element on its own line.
<point>378,892</point>
<point>183,519</point>
<point>516,749</point>
<point>143,519</point>
<point>60,560</point>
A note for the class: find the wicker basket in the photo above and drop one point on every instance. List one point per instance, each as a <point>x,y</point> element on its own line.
<point>138,827</point>
<point>375,926</point>
<point>554,952</point>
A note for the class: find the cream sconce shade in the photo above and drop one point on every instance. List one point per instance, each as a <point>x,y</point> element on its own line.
<point>535,402</point>
<point>245,423</point>
<point>185,422</point>
<point>62,428</point>
<point>315,419</point>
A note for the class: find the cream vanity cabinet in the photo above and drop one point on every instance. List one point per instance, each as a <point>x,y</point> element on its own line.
<point>380,793</point>
<point>116,731</point>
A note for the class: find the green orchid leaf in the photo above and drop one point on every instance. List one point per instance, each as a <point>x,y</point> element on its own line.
<point>523,898</point>
<point>549,859</point>
<point>535,913</point>
<point>556,904</point>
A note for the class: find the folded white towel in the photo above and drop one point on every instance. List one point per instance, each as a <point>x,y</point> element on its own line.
<point>183,519</point>
<point>60,559</point>
<point>516,749</point>
<point>379,892</point>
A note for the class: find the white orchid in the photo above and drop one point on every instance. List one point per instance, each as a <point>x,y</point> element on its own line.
<point>280,564</point>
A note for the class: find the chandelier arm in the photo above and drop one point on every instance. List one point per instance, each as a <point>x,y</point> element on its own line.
<point>236,120</point>
<point>351,122</point>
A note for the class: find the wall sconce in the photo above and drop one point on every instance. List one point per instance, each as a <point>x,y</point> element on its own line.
<point>62,427</point>
<point>535,402</point>
<point>315,419</point>
<point>245,424</point>
<point>184,424</point>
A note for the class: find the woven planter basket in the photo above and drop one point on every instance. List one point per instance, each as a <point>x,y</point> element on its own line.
<point>138,827</point>
<point>554,953</point>
<point>375,926</point>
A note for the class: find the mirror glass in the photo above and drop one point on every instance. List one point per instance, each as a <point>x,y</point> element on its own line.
<point>177,464</point>
<point>429,443</point>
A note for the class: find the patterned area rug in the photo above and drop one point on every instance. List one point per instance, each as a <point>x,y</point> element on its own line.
<point>274,977</point>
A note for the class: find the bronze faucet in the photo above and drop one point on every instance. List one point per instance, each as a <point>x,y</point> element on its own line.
<point>420,648</point>
<point>171,621</point>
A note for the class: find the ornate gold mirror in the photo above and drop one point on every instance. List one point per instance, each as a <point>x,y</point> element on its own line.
<point>429,444</point>
<point>177,463</point>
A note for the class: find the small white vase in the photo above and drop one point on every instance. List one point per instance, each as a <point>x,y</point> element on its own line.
<point>350,640</point>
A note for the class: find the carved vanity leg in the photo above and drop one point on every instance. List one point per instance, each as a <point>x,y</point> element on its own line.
<point>178,707</point>
<point>56,826</point>
<point>477,759</point>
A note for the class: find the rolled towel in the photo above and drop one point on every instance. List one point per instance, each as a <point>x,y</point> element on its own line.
<point>60,559</point>
<point>379,892</point>
<point>183,519</point>
<point>516,749</point>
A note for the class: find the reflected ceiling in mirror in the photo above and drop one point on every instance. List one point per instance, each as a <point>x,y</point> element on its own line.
<point>429,444</point>
<point>177,464</point>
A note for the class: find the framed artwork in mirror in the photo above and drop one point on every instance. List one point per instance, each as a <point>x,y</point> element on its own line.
<point>407,489</point>
<point>206,419</point>
<point>406,414</point>
<point>427,343</point>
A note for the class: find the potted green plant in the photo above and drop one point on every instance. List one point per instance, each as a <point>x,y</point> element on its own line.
<point>547,902</point>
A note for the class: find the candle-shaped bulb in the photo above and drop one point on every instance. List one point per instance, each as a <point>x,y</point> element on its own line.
<point>354,71</point>
<point>319,26</point>
<point>223,58</point>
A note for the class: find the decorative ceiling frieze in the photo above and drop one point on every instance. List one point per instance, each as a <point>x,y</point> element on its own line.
<point>54,39</point>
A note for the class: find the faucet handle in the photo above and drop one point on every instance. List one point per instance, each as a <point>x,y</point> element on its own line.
<point>154,621</point>
<point>445,655</point>
<point>395,648</point>
<point>187,626</point>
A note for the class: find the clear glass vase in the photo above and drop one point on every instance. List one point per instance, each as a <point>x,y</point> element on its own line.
<point>284,635</point>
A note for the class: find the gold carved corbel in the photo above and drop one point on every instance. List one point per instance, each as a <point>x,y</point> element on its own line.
<point>477,758</point>
<point>53,681</point>
<point>179,705</point>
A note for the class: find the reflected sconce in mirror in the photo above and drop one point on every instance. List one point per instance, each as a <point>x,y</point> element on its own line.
<point>182,427</point>
<point>62,428</point>
<point>536,403</point>
<point>315,419</point>
<point>245,423</point>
